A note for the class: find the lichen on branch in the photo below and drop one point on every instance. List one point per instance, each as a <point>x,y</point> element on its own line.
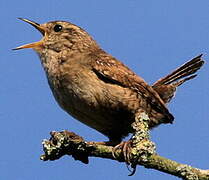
<point>142,153</point>
<point>68,143</point>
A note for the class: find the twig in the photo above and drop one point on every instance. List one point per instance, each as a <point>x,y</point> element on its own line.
<point>68,143</point>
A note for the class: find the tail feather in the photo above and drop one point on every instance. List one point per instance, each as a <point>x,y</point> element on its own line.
<point>187,69</point>
<point>166,86</point>
<point>178,83</point>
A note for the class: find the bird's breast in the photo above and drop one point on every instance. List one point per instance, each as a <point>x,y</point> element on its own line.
<point>105,107</point>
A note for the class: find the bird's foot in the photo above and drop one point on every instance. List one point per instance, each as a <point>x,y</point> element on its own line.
<point>134,153</point>
<point>125,147</point>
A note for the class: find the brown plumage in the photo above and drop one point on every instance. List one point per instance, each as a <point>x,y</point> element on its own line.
<point>96,88</point>
<point>166,86</point>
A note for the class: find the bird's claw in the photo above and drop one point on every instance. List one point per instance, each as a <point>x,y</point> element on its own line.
<point>126,151</point>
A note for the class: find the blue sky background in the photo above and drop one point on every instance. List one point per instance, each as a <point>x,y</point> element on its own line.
<point>151,37</point>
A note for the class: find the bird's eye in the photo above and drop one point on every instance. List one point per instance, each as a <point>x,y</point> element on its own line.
<point>57,28</point>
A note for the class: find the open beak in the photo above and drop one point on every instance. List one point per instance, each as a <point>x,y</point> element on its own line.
<point>40,28</point>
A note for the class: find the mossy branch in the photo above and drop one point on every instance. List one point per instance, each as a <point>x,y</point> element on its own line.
<point>142,151</point>
<point>68,143</point>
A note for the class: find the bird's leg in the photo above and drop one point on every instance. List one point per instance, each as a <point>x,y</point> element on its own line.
<point>139,147</point>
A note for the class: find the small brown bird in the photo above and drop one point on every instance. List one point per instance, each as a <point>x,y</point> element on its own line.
<point>96,88</point>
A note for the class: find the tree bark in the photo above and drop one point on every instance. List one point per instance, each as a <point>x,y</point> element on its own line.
<point>68,143</point>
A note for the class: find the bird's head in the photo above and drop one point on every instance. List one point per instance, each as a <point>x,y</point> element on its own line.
<point>58,36</point>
